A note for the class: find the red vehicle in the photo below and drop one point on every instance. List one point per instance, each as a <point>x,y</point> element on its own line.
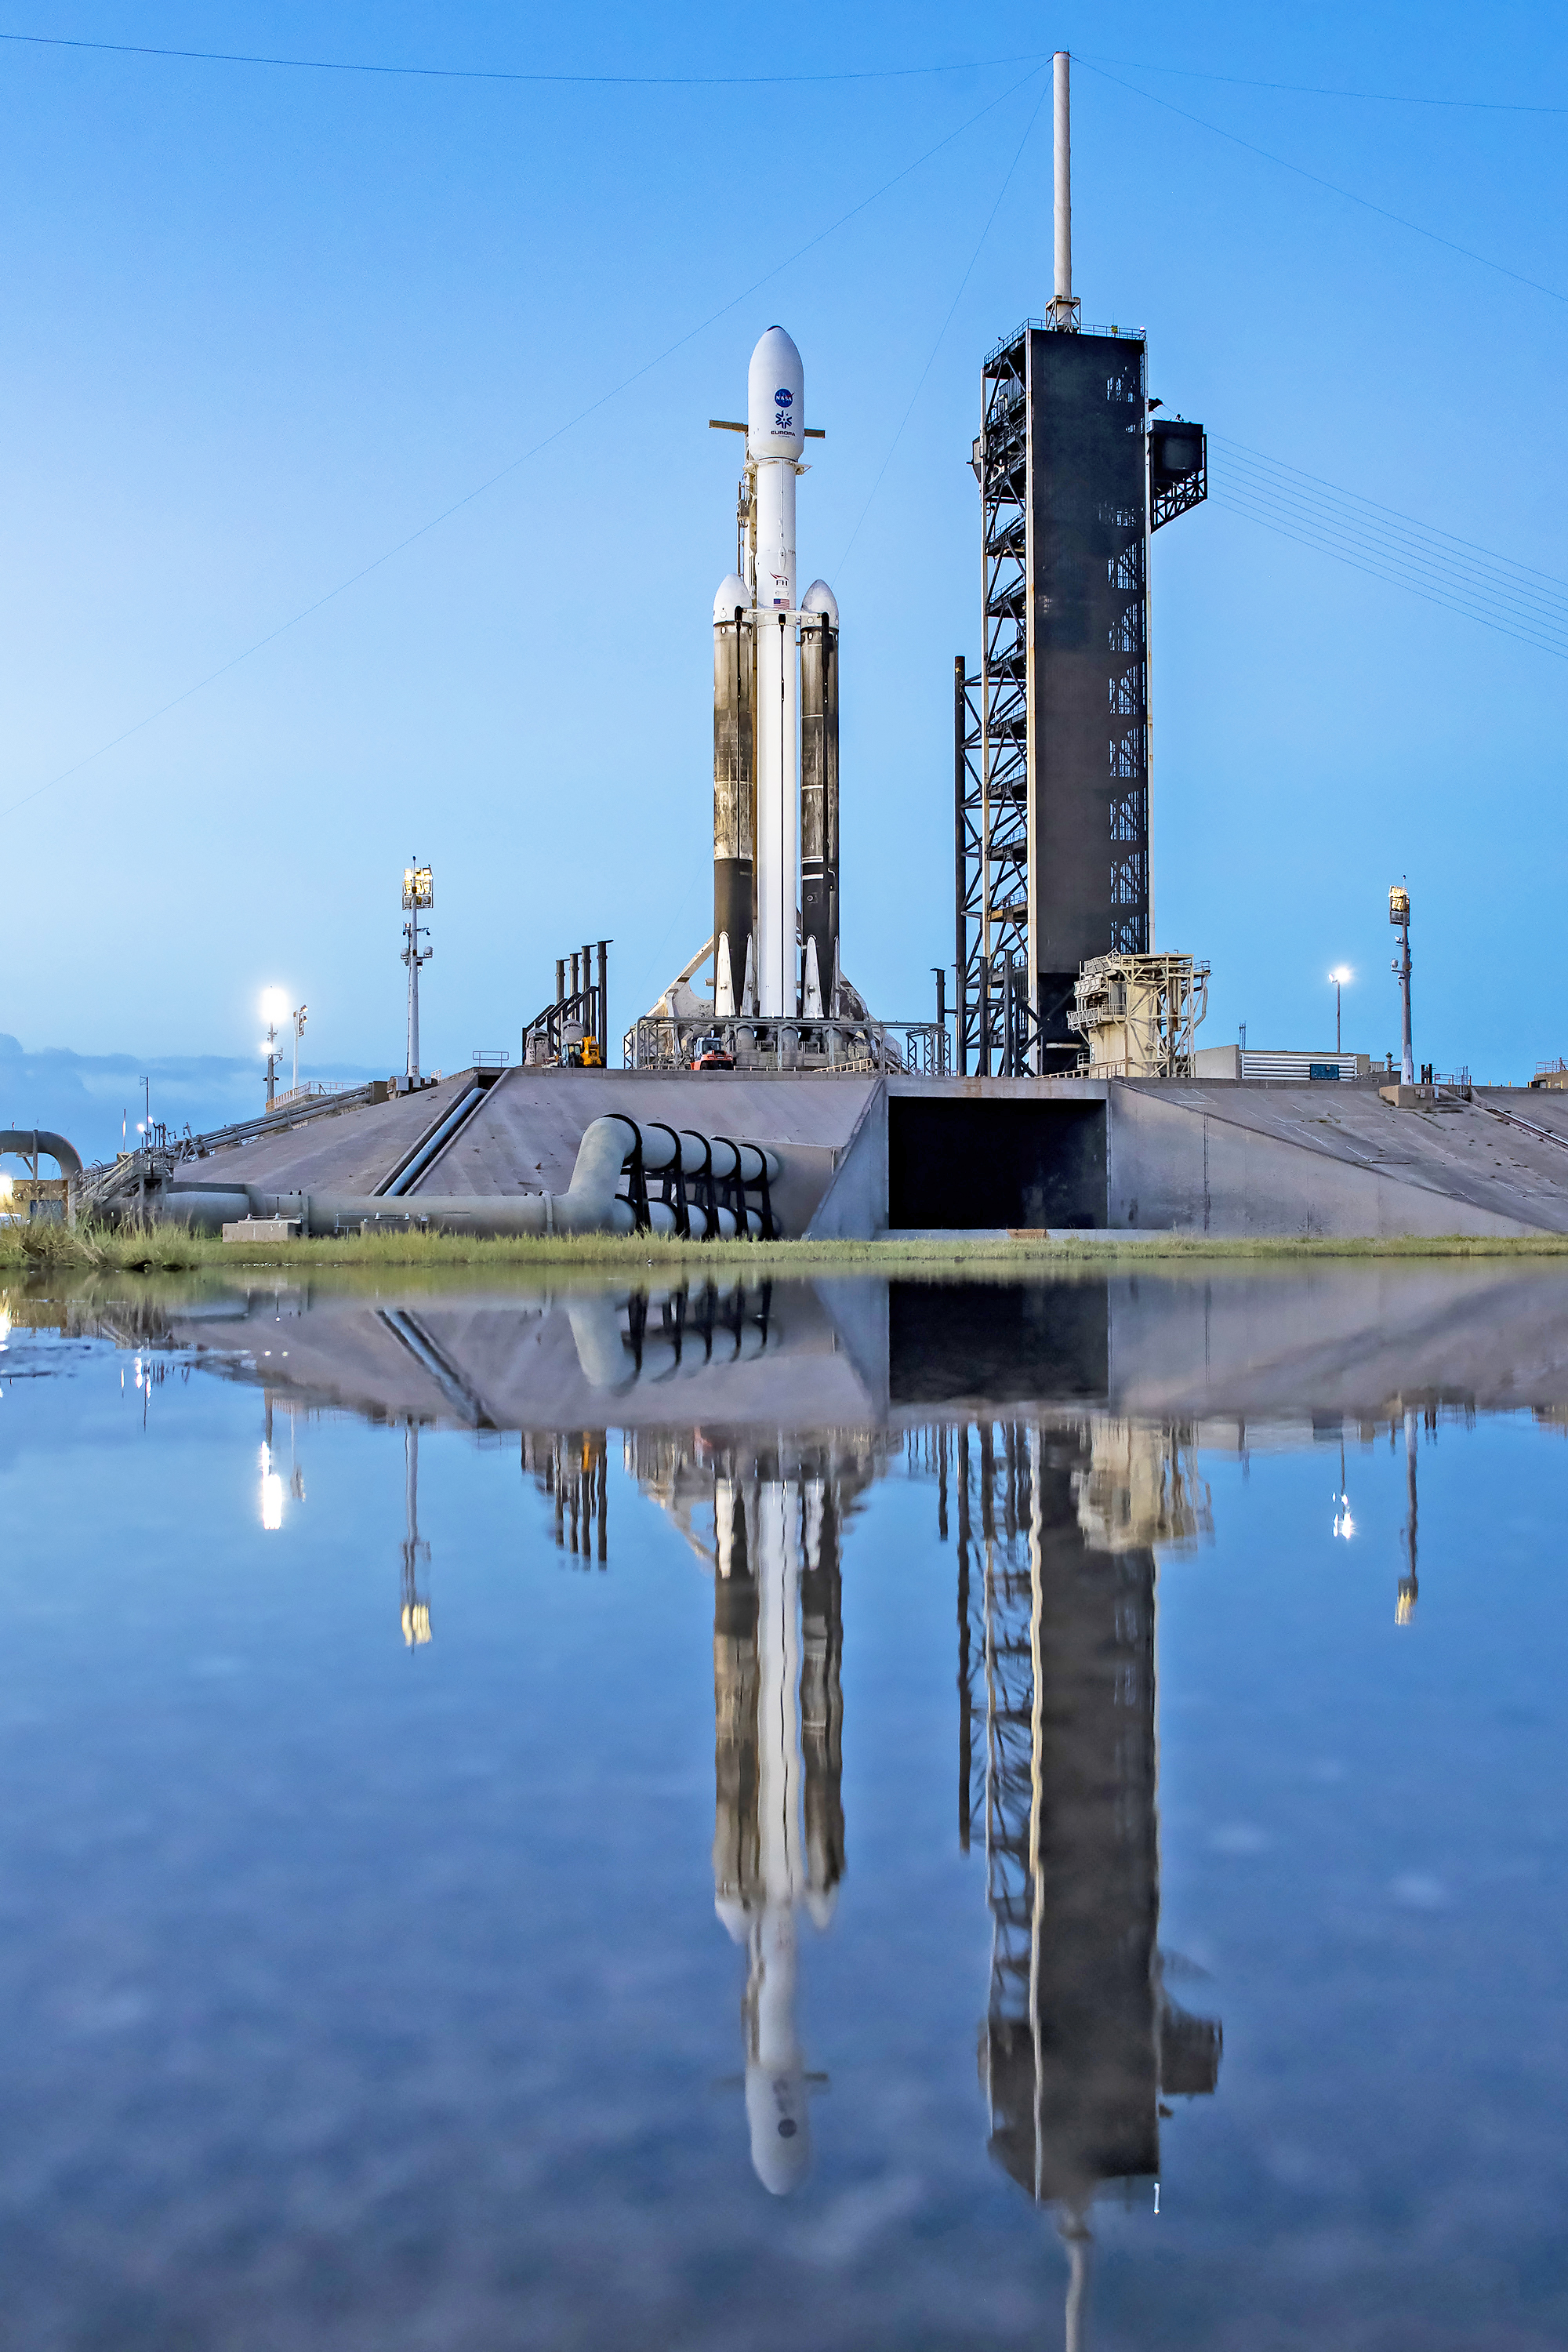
<point>711,1054</point>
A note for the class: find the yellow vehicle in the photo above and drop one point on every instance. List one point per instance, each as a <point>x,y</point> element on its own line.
<point>584,1055</point>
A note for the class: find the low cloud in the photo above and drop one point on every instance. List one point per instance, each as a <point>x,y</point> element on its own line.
<point>86,1096</point>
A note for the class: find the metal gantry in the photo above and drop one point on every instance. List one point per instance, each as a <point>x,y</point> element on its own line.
<point>1059,1521</point>
<point>1051,739</point>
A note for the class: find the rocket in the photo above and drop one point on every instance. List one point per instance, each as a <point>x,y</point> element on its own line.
<point>775,756</point>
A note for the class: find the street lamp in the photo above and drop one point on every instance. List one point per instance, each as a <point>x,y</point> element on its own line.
<point>1341,974</point>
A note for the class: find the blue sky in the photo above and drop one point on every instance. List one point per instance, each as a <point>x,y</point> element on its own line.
<point>265,326</point>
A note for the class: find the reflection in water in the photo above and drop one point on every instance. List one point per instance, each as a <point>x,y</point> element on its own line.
<point>1056,1530</point>
<point>1058,1423</point>
<point>769,1520</point>
<point>572,1469</point>
<point>416,1553</point>
<point>1409,1590</point>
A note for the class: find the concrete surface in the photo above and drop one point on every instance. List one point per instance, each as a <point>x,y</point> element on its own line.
<point>1226,1158</point>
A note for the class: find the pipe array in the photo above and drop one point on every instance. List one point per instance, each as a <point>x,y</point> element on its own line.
<point>701,1185</point>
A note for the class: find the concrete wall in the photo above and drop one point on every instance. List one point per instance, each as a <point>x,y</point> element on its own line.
<point>1179,1167</point>
<point>854,1205</point>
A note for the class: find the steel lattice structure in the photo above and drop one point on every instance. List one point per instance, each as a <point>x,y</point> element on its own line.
<point>1057,1526</point>
<point>1052,740</point>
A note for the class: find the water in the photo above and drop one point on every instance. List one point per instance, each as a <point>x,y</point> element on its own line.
<point>817,1814</point>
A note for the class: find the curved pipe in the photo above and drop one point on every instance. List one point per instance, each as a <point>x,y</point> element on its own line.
<point>592,1203</point>
<point>588,1205</point>
<point>27,1142</point>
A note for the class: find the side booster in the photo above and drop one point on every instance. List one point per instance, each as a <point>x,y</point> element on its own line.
<point>775,731</point>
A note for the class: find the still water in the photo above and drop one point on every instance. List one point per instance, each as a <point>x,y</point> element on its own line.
<point>815,1814</point>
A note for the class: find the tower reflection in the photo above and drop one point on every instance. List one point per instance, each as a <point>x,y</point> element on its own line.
<point>1057,1525</point>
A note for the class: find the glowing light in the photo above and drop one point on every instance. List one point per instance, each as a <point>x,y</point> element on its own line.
<point>271,1493</point>
<point>274,1005</point>
<point>1342,975</point>
<point>1344,1523</point>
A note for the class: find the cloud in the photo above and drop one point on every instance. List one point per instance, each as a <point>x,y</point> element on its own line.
<point>87,1096</point>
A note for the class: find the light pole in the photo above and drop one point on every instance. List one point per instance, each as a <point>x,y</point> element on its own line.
<point>1399,916</point>
<point>272,1011</point>
<point>419,892</point>
<point>1339,975</point>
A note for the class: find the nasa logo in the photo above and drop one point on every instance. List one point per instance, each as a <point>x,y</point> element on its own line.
<point>784,397</point>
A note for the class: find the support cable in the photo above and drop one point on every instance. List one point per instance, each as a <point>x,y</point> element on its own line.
<point>538,448</point>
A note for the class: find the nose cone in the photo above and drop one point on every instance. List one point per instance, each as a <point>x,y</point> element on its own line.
<point>775,398</point>
<point>781,2129</point>
<point>733,591</point>
<point>820,598</point>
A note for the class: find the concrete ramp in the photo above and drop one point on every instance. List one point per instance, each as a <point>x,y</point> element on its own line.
<point>524,1136</point>
<point>1239,1159</point>
<point>353,1152</point>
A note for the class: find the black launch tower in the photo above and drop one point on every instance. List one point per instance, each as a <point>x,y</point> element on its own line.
<point>1051,738</point>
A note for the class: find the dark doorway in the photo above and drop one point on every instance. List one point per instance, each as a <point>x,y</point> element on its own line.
<point>1002,1342</point>
<point>957,1163</point>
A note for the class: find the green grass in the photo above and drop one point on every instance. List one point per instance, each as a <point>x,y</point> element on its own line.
<point>42,1248</point>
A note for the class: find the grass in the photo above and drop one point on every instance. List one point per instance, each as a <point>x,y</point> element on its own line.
<point>151,1248</point>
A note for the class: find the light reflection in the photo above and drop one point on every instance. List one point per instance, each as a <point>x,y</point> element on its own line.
<point>271,1492</point>
<point>416,1553</point>
<point>1409,1587</point>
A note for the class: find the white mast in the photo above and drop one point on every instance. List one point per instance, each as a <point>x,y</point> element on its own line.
<point>1064,306</point>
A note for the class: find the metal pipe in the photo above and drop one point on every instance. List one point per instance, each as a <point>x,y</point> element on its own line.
<point>591,1203</point>
<point>27,1142</point>
<point>407,1177</point>
<point>1061,211</point>
<point>603,1003</point>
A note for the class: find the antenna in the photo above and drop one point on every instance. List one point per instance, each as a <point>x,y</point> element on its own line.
<point>1064,306</point>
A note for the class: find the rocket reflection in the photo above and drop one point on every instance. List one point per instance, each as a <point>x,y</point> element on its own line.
<point>778,1835</point>
<point>778,1512</point>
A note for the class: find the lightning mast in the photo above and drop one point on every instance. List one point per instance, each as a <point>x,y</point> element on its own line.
<point>418,894</point>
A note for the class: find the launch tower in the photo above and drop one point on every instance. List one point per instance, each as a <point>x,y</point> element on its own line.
<point>1051,739</point>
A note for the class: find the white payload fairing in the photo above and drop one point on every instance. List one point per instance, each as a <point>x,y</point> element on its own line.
<point>765,962</point>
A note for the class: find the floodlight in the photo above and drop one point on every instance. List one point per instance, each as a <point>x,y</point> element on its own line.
<point>274,1005</point>
<point>1398,904</point>
<point>1342,975</point>
<point>418,886</point>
